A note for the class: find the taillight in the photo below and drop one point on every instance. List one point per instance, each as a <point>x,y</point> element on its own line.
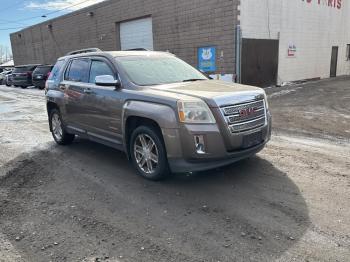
<point>29,74</point>
<point>48,74</point>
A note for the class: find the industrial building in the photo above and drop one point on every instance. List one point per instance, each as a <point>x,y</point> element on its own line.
<point>263,42</point>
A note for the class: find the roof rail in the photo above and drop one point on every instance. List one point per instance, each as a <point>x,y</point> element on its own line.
<point>82,51</point>
<point>137,49</point>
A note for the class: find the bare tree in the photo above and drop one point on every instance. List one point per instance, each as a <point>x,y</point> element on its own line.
<point>5,54</point>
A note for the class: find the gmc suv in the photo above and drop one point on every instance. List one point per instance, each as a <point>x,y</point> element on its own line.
<point>163,113</point>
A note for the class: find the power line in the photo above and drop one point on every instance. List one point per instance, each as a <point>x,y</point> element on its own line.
<point>42,16</point>
<point>10,28</point>
<point>50,13</point>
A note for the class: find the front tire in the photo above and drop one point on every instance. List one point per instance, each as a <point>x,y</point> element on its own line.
<point>148,154</point>
<point>58,131</point>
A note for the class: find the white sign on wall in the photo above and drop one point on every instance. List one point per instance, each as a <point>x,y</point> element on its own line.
<point>292,51</point>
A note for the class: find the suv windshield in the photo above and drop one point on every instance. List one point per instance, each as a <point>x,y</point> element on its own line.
<point>147,70</point>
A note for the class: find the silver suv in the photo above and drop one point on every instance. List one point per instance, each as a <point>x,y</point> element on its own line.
<point>163,113</point>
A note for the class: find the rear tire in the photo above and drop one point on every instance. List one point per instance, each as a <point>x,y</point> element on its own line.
<point>58,131</point>
<point>23,87</point>
<point>148,154</point>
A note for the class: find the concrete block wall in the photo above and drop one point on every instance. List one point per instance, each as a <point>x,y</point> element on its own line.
<point>178,26</point>
<point>312,26</point>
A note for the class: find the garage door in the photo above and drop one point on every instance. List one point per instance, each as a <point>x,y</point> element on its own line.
<point>136,34</point>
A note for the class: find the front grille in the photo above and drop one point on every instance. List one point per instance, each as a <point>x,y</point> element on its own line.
<point>246,116</point>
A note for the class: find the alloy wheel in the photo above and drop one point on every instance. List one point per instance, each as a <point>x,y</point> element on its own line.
<point>146,153</point>
<point>56,125</point>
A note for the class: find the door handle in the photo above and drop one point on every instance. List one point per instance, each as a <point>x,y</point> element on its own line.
<point>87,91</point>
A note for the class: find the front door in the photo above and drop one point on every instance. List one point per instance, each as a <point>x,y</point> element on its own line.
<point>334,61</point>
<point>103,105</point>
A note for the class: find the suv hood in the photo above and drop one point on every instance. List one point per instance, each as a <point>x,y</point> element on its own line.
<point>215,93</point>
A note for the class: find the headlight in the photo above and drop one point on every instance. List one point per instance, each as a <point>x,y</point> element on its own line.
<point>195,111</point>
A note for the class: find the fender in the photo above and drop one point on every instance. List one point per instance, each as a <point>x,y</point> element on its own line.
<point>163,115</point>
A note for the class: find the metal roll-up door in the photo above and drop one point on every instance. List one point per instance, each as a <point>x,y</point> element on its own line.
<point>136,34</point>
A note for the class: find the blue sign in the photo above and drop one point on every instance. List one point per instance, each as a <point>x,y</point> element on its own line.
<point>207,59</point>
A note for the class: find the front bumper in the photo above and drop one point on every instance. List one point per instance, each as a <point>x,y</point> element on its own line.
<point>183,165</point>
<point>221,147</point>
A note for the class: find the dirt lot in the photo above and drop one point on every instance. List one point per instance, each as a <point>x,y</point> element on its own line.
<point>84,202</point>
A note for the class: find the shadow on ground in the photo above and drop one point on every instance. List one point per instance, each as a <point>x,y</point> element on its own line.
<point>87,199</point>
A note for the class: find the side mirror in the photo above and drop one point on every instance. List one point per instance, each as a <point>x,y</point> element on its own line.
<point>106,80</point>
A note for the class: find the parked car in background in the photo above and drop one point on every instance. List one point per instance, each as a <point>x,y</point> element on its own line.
<point>4,75</point>
<point>8,79</point>
<point>165,114</point>
<point>40,75</point>
<point>22,75</point>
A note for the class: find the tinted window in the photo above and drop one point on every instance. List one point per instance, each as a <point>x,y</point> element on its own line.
<point>43,69</point>
<point>99,68</point>
<point>78,70</point>
<point>56,70</point>
<point>23,69</point>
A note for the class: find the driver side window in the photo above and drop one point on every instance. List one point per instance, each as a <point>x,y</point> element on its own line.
<point>99,68</point>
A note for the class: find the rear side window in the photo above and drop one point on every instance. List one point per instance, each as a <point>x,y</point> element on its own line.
<point>55,73</point>
<point>78,71</point>
<point>99,68</point>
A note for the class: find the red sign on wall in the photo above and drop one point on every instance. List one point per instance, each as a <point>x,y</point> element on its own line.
<point>330,3</point>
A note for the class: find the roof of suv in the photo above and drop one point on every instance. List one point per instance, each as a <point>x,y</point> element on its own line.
<point>122,53</point>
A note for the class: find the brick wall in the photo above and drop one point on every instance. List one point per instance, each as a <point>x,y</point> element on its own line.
<point>178,26</point>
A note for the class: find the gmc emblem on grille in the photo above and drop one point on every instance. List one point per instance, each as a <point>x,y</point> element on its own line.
<point>247,111</point>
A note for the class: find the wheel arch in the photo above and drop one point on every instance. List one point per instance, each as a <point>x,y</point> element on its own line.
<point>137,113</point>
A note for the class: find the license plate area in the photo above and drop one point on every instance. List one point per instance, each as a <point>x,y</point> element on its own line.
<point>252,140</point>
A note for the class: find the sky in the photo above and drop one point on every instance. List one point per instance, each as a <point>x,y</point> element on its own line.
<point>18,14</point>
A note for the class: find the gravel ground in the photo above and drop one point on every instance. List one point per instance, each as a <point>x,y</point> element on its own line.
<point>85,203</point>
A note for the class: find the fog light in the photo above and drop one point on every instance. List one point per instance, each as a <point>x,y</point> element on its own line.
<point>199,144</point>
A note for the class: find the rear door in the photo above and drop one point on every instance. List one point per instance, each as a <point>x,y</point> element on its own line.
<point>103,104</point>
<point>74,84</point>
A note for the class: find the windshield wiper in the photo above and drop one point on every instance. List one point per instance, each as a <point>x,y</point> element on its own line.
<point>193,80</point>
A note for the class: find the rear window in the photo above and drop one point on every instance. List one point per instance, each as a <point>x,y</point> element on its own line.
<point>20,69</point>
<point>55,72</point>
<point>43,69</point>
<point>23,69</point>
